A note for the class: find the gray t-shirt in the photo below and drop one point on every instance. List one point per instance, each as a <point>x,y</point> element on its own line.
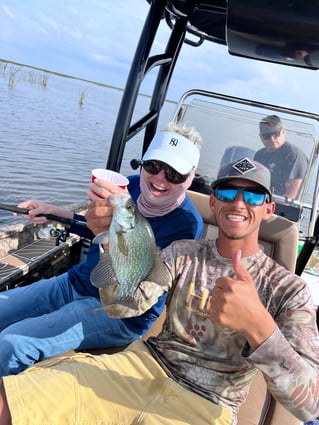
<point>287,162</point>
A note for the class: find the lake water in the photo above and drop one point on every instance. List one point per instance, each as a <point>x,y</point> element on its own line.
<point>49,143</point>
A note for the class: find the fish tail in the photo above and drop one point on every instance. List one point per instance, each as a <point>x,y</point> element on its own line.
<point>127,301</point>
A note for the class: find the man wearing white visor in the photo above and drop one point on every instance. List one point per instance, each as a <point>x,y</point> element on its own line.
<point>168,169</point>
<point>71,316</point>
<point>176,150</point>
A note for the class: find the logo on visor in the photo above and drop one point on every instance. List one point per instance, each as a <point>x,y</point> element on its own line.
<point>244,166</point>
<point>173,141</point>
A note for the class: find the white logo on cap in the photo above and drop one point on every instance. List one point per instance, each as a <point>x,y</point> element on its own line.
<point>173,141</point>
<point>244,166</point>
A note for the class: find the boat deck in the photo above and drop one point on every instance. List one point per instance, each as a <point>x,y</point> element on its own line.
<point>41,258</point>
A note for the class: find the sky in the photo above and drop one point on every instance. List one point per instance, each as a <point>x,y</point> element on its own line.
<point>96,40</point>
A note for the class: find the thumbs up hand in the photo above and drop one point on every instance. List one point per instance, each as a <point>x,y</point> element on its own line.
<point>235,304</point>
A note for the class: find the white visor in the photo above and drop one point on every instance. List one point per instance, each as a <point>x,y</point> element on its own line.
<point>175,150</point>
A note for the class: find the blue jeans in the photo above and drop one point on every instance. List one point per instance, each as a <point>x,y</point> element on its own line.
<point>49,317</point>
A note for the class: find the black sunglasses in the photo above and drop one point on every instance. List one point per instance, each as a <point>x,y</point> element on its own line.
<point>171,175</point>
<point>251,195</point>
<point>268,134</point>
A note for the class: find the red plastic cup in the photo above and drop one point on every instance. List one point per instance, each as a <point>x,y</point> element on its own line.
<point>110,176</point>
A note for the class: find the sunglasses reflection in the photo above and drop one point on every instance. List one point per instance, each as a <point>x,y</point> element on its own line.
<point>251,196</point>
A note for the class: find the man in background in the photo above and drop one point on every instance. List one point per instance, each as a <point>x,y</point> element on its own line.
<point>286,162</point>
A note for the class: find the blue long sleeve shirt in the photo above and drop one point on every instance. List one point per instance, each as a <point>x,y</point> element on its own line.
<point>184,222</point>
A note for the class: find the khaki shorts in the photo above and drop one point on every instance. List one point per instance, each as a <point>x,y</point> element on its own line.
<point>121,389</point>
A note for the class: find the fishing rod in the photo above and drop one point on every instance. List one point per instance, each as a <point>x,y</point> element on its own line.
<point>64,220</point>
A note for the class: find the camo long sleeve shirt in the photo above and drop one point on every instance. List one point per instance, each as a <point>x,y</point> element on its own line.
<point>216,362</point>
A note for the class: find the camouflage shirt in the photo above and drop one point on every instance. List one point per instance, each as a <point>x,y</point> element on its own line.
<point>216,362</point>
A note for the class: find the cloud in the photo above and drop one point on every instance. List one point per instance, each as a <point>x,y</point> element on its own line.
<point>6,10</point>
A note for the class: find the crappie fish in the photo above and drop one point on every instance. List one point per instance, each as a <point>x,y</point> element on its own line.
<point>131,256</point>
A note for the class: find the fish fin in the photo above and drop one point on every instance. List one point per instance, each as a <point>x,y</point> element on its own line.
<point>122,245</point>
<point>119,308</point>
<point>103,273</point>
<point>108,294</point>
<point>159,272</point>
<point>101,238</point>
<point>155,284</point>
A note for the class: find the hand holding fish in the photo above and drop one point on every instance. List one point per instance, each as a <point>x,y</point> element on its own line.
<point>99,216</point>
<point>130,274</point>
<point>100,211</point>
<point>235,304</point>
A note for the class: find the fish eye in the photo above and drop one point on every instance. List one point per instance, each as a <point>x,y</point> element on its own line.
<point>130,207</point>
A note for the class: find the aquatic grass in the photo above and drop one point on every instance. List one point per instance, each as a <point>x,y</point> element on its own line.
<point>60,74</point>
<point>4,67</point>
<point>44,79</point>
<point>82,97</point>
<point>12,77</point>
<point>41,79</point>
<point>31,77</point>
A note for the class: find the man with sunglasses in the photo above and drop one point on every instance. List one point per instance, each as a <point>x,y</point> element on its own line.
<point>69,315</point>
<point>231,311</point>
<point>286,162</point>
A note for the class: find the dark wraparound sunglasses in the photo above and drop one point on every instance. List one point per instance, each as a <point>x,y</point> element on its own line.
<point>171,175</point>
<point>268,134</point>
<point>251,195</point>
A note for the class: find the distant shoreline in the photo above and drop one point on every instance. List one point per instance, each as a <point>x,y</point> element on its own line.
<point>75,78</point>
